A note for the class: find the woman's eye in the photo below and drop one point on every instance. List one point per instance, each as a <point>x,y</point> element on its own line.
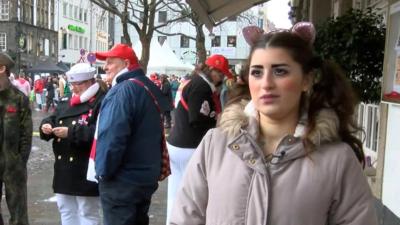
<point>279,71</point>
<point>256,73</point>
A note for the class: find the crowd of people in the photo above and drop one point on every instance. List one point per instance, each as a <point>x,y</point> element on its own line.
<point>274,144</point>
<point>45,91</point>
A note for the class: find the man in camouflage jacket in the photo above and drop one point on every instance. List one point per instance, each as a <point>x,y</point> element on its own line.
<point>15,144</point>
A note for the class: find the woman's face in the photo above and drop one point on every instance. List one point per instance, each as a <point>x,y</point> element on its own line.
<point>79,87</point>
<point>276,83</point>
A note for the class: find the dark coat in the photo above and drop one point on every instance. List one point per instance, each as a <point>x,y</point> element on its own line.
<point>50,90</point>
<point>15,131</point>
<point>15,147</point>
<point>167,91</point>
<point>129,133</point>
<point>191,126</point>
<point>72,153</point>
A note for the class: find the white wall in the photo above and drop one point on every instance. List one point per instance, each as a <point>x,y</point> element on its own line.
<point>391,174</point>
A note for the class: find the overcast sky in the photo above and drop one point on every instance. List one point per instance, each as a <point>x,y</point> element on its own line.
<point>277,12</point>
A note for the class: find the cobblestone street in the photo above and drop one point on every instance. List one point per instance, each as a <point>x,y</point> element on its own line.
<point>41,205</point>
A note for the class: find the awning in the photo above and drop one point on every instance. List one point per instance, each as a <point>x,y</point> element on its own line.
<point>45,67</point>
<point>63,66</point>
<point>213,12</point>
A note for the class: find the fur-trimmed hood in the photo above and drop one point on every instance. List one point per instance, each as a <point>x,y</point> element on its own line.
<point>243,116</point>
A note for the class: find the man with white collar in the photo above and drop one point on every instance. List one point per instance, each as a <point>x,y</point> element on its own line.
<point>130,139</point>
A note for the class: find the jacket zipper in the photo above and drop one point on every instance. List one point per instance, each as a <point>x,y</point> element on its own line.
<point>268,177</point>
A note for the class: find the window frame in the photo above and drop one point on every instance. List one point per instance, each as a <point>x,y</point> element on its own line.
<point>183,42</point>
<point>4,10</point>
<point>4,41</point>
<point>233,44</point>
<point>162,16</point>
<point>216,41</point>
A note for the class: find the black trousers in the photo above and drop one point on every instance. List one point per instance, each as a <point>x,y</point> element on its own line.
<point>124,203</point>
<point>1,216</point>
<point>167,119</point>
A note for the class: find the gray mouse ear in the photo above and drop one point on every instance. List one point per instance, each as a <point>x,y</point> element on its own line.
<point>251,34</point>
<point>305,30</point>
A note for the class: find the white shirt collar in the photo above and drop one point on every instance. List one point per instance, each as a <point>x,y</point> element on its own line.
<point>114,82</point>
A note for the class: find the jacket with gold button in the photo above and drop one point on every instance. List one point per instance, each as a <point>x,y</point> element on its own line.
<point>229,179</point>
<point>72,153</point>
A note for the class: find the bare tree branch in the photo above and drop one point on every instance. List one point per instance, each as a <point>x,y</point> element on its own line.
<point>170,22</point>
<point>174,34</point>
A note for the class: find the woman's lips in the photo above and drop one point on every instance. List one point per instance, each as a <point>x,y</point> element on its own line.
<point>268,98</point>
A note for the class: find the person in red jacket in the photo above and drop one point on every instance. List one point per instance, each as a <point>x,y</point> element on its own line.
<point>38,88</point>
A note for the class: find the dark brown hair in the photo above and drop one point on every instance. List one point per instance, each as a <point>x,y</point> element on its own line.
<point>240,91</point>
<point>331,89</point>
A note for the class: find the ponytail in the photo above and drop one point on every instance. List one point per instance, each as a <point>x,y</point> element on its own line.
<point>332,90</point>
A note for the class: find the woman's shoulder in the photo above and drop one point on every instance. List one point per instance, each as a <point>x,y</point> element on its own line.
<point>214,138</point>
<point>339,153</point>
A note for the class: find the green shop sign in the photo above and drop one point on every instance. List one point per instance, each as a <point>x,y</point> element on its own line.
<point>76,28</point>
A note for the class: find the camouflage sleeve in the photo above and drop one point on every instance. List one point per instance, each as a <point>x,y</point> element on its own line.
<point>26,129</point>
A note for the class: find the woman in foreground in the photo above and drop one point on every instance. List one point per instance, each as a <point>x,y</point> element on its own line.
<point>290,155</point>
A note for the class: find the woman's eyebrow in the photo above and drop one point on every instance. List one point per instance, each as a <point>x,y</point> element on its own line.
<point>278,65</point>
<point>257,66</point>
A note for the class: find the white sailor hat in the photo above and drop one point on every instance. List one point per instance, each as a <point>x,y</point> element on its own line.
<point>80,72</point>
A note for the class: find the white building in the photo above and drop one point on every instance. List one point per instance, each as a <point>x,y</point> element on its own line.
<point>82,28</point>
<point>226,39</point>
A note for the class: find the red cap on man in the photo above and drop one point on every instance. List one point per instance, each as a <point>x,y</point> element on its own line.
<point>122,51</point>
<point>219,62</point>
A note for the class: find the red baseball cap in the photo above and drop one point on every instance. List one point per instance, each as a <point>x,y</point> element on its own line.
<point>153,77</point>
<point>122,51</point>
<point>219,62</point>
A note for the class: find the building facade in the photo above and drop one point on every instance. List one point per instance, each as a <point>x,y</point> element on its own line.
<point>83,28</point>
<point>27,31</point>
<point>225,39</point>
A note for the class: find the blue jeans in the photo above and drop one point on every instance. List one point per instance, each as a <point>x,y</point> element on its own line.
<point>124,203</point>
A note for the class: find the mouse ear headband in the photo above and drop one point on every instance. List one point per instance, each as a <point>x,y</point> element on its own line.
<point>305,30</point>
